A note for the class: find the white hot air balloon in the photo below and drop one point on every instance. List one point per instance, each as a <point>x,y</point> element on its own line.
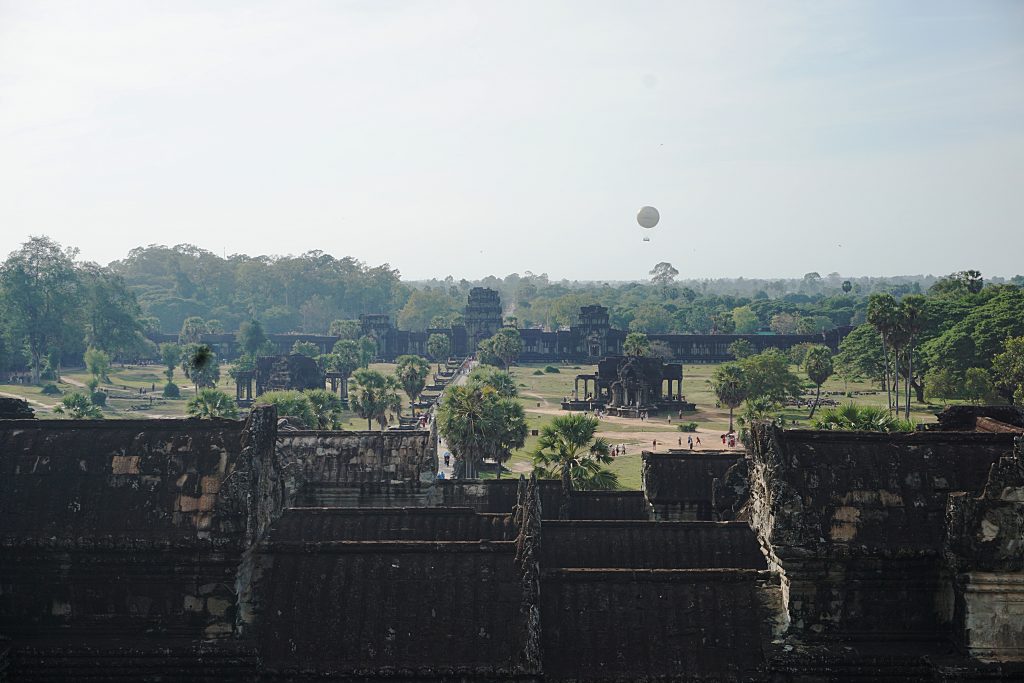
<point>648,217</point>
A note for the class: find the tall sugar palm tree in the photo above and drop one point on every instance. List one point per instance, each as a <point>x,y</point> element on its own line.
<point>730,385</point>
<point>412,372</point>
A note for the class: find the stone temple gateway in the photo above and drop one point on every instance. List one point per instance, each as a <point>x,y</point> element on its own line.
<point>185,550</point>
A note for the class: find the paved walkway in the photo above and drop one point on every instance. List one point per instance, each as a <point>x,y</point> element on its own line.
<point>442,447</point>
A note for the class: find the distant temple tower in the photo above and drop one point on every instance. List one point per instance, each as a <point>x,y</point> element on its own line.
<point>483,315</point>
<point>592,331</point>
<point>378,327</point>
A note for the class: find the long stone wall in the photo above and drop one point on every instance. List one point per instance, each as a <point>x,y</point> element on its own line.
<point>195,550</point>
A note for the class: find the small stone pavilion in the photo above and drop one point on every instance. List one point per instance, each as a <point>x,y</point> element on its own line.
<point>629,386</point>
<point>273,373</point>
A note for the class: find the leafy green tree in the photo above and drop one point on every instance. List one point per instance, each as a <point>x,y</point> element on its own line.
<point>636,344</point>
<point>367,351</point>
<point>978,330</point>
<point>374,397</point>
<point>943,383</point>
<point>477,422</point>
<point>860,354</point>
<point>423,306</point>
<point>40,294</point>
<point>730,385</point>
<point>200,366</point>
<point>509,419</point>
<point>97,364</point>
<point>412,373</point>
<point>110,311</point>
<point>485,354</point>
<point>438,346</point>
<point>852,417</point>
<point>507,345</point>
<point>651,319</point>
<point>211,403</point>
<point>883,315</point>
<point>326,408</point>
<point>768,375</point>
<point>251,337</point>
<point>1008,371</point>
<point>498,380</point>
<point>745,320</point>
<point>847,286</point>
<point>78,407</point>
<point>818,364</point>
<point>978,386</point>
<point>192,330</point>
<point>170,356</point>
<point>741,348</point>
<point>290,403</point>
<point>305,348</point>
<point>344,329</point>
<point>786,323</point>
<point>568,449</point>
<point>345,359</point>
<point>663,274</point>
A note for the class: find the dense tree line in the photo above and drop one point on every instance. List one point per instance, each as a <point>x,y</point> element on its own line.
<point>54,307</point>
<point>286,293</point>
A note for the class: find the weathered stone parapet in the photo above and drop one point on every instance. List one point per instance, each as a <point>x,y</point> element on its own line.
<point>855,524</point>
<point>985,546</point>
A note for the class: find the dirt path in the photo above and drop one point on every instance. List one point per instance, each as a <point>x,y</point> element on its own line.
<point>32,401</point>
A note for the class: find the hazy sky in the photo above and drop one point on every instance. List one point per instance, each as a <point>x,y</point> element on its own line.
<point>478,138</point>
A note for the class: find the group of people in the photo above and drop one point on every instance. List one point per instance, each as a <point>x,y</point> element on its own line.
<point>729,439</point>
<point>691,440</point>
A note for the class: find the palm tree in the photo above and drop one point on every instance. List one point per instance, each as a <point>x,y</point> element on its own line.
<point>344,359</point>
<point>852,417</point>
<point>211,403</point>
<point>818,364</point>
<point>568,449</point>
<point>374,397</point>
<point>498,380</point>
<point>412,372</point>
<point>636,344</point>
<point>730,385</point>
<point>912,317</point>
<point>77,406</point>
<point>326,406</point>
<point>462,422</point>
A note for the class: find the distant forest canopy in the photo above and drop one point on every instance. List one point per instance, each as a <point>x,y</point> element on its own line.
<point>306,293</point>
<point>53,306</point>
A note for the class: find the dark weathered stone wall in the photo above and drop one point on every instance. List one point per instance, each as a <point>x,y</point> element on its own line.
<point>650,545</point>
<point>82,502</point>
<point>680,485</point>
<point>318,525</point>
<point>653,624</point>
<point>422,608</point>
<point>334,466</point>
<point>856,522</point>
<point>124,544</point>
<point>500,496</point>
